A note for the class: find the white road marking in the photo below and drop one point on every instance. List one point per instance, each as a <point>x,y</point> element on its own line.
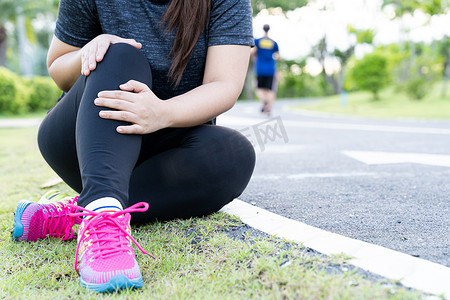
<point>240,121</point>
<point>329,175</point>
<point>268,177</point>
<point>281,149</point>
<point>301,176</point>
<point>413,272</point>
<point>374,158</point>
<point>19,123</point>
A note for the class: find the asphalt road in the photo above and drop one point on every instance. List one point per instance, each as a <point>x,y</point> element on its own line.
<point>386,182</point>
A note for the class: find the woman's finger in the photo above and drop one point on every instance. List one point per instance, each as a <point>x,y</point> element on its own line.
<point>134,86</point>
<point>113,103</point>
<point>132,42</point>
<point>102,47</point>
<point>86,62</point>
<point>117,115</point>
<point>120,95</point>
<point>92,55</point>
<point>83,54</point>
<point>130,129</point>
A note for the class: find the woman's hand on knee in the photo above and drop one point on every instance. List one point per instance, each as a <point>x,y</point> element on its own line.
<point>137,104</point>
<point>94,51</point>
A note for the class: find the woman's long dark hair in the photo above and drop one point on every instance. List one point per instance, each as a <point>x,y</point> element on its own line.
<point>189,18</point>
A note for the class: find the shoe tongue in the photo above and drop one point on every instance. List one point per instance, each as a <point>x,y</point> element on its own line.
<point>123,220</point>
<point>107,229</point>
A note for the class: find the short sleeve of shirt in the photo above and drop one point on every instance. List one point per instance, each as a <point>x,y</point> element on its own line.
<point>230,23</point>
<point>77,22</point>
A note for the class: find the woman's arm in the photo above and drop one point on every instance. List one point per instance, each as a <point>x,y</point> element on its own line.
<point>225,71</point>
<point>65,63</point>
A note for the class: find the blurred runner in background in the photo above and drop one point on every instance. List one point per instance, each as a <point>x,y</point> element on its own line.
<point>265,53</point>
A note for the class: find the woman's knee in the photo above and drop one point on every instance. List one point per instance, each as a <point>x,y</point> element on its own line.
<point>124,60</point>
<point>229,169</point>
<point>123,50</point>
<point>242,159</point>
<point>43,139</point>
<point>230,160</point>
<point>234,147</point>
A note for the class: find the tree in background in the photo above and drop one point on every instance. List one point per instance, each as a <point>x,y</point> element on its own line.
<point>321,53</point>
<point>285,5</point>
<point>21,13</point>
<point>7,13</point>
<point>257,7</point>
<point>425,71</point>
<point>410,72</point>
<point>361,37</point>
<point>444,51</point>
<point>371,73</point>
<point>297,83</point>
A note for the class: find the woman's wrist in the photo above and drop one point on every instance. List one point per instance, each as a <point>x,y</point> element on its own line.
<point>167,110</point>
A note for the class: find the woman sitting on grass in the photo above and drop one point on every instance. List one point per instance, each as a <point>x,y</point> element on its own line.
<point>137,126</point>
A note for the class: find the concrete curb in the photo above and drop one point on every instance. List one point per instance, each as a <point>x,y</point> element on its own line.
<point>412,272</point>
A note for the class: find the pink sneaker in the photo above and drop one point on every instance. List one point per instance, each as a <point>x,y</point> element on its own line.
<point>49,217</point>
<point>107,259</point>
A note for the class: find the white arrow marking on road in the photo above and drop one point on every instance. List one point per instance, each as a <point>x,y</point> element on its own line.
<point>375,158</point>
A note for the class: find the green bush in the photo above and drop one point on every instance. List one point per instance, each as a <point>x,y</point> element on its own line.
<point>371,73</point>
<point>13,93</point>
<point>43,93</point>
<point>294,82</point>
<point>417,87</point>
<point>423,74</point>
<point>294,86</point>
<point>19,95</point>
<point>291,86</point>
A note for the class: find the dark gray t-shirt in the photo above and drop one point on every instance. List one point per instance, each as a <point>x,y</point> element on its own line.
<point>230,23</point>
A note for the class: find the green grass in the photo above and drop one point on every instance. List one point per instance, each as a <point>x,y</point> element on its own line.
<point>36,114</point>
<point>196,258</point>
<point>391,104</point>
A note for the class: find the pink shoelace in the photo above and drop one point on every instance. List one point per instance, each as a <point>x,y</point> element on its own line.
<point>59,220</point>
<point>108,231</point>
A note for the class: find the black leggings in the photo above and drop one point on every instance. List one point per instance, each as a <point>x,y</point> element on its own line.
<point>180,172</point>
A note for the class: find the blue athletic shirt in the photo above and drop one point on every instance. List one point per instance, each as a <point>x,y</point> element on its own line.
<point>265,64</point>
<point>80,21</point>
